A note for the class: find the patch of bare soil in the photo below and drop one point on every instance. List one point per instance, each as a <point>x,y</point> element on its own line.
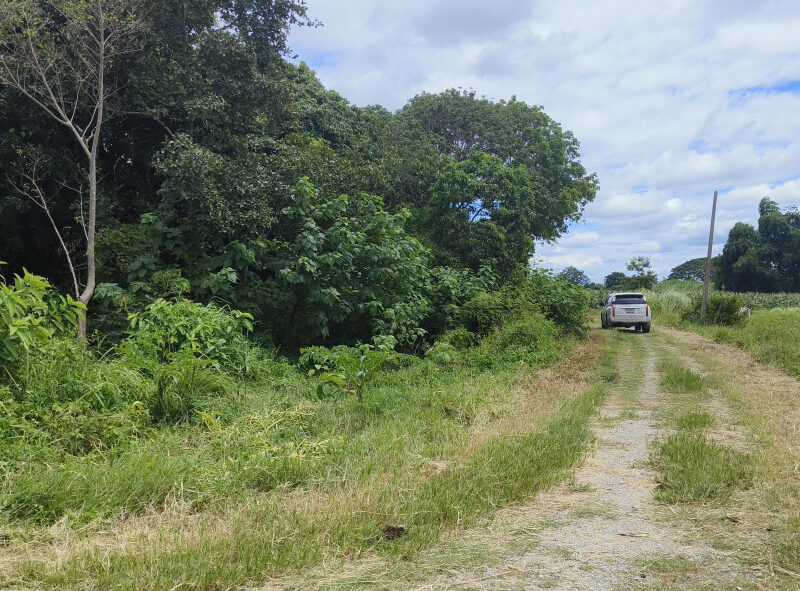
<point>603,530</point>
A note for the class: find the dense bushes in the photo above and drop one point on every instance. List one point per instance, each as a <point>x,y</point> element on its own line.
<point>166,329</point>
<point>72,414</point>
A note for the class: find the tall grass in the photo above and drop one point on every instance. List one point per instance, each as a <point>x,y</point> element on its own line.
<point>261,472</point>
<point>770,336</point>
<point>380,506</point>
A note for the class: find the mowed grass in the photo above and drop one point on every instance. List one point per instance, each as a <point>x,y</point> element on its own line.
<point>427,450</point>
<point>694,468</point>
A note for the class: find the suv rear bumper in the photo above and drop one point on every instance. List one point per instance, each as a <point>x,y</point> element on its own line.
<point>628,324</point>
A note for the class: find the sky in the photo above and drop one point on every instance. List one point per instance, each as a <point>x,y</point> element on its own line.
<point>670,101</point>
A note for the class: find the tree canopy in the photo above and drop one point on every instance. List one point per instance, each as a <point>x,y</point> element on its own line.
<point>228,172</point>
<point>765,259</point>
<point>694,269</point>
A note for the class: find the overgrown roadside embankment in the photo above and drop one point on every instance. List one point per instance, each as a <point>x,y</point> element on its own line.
<point>685,489</point>
<point>501,436</point>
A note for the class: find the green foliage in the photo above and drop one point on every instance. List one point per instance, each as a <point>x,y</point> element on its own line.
<point>448,290</point>
<point>460,338</point>
<point>566,304</point>
<point>644,278</point>
<point>481,133</point>
<point>721,308</point>
<point>767,301</point>
<point>350,272</point>
<point>615,280</point>
<point>574,276</point>
<point>694,269</point>
<point>483,312</point>
<point>441,353</point>
<point>480,212</point>
<point>166,329</point>
<point>346,369</point>
<point>31,314</point>
<point>696,469</point>
<point>233,196</point>
<point>766,259</point>
<point>527,337</point>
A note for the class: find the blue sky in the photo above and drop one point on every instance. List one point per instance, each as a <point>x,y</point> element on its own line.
<point>669,100</point>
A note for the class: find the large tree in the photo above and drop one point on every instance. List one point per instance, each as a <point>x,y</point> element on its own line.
<point>460,124</point>
<point>575,276</point>
<point>766,259</point>
<point>694,269</point>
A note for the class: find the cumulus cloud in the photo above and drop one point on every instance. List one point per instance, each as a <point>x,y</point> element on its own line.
<point>669,100</point>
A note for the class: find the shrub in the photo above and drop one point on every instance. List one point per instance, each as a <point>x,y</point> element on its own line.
<point>31,314</point>
<point>441,353</point>
<point>165,329</point>
<point>567,305</point>
<point>529,338</point>
<point>460,338</point>
<point>447,289</point>
<point>345,369</point>
<point>483,312</point>
<point>721,308</point>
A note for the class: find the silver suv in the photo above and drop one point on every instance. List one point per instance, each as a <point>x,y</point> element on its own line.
<point>626,310</point>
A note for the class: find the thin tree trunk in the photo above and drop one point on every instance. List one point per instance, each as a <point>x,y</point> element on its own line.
<point>88,290</point>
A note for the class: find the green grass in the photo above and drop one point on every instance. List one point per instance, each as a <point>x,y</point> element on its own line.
<point>273,535</point>
<point>264,476</point>
<point>693,468</point>
<point>695,421</point>
<point>770,336</point>
<point>788,551</point>
<point>675,377</point>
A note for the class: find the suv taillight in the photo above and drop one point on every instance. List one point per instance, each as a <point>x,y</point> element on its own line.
<point>613,311</point>
<point>646,309</point>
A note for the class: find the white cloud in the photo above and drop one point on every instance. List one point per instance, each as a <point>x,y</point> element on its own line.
<point>669,100</point>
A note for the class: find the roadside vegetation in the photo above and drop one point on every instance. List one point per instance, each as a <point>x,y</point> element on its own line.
<point>278,461</point>
<point>730,467</point>
<point>771,333</point>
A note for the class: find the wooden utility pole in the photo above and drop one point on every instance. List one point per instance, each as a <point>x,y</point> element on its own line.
<point>707,277</point>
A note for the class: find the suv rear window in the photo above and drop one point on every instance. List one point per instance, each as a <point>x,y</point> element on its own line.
<point>629,299</point>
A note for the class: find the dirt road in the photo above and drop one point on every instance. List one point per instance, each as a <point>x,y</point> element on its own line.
<point>604,529</point>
